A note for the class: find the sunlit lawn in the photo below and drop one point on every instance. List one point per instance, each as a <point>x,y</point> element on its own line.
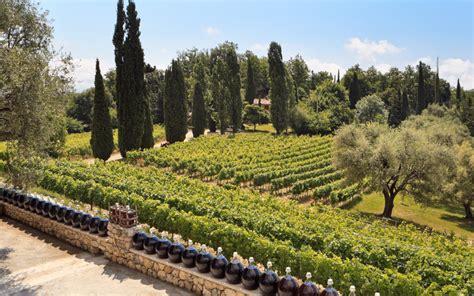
<point>439,217</point>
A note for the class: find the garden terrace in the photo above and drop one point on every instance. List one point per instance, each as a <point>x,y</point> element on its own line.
<point>348,247</point>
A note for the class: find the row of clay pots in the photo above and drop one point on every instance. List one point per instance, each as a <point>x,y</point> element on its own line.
<point>54,211</point>
<point>251,278</point>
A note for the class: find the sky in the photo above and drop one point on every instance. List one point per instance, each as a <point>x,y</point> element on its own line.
<point>329,35</point>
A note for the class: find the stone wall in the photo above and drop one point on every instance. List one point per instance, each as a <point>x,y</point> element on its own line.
<point>117,247</point>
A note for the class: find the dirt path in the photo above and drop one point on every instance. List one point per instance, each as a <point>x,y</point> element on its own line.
<point>116,155</point>
<point>33,263</point>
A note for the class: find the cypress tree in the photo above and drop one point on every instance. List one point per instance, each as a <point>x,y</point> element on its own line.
<point>278,88</point>
<point>133,102</point>
<point>118,40</point>
<point>102,140</point>
<point>405,107</point>
<point>338,80</point>
<point>199,111</point>
<point>458,94</point>
<point>147,140</point>
<point>354,90</point>
<point>233,85</point>
<point>175,104</point>
<point>251,89</point>
<point>220,94</point>
<point>421,103</point>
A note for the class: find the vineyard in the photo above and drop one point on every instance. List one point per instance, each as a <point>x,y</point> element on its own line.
<point>350,248</point>
<point>298,167</point>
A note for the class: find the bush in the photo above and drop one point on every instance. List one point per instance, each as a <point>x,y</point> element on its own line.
<point>74,126</point>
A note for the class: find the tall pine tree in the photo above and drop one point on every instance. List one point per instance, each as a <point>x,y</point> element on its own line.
<point>176,115</point>
<point>354,90</point>
<point>458,94</point>
<point>251,89</point>
<point>147,140</point>
<point>199,111</point>
<point>220,93</point>
<point>118,40</point>
<point>421,99</point>
<point>278,88</point>
<point>233,85</point>
<point>102,140</point>
<point>133,103</point>
<point>405,111</point>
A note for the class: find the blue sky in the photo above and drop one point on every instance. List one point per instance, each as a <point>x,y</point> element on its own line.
<point>330,35</point>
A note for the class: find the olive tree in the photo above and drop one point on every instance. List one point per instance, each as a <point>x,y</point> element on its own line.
<point>33,83</point>
<point>459,186</point>
<point>371,108</point>
<point>415,158</point>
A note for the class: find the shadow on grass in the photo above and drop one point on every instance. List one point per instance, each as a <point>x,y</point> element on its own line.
<point>461,222</point>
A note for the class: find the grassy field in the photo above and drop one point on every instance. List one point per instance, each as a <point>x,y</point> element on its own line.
<point>439,217</point>
<point>78,145</point>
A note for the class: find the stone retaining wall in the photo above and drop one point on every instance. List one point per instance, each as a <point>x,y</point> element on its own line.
<point>117,247</point>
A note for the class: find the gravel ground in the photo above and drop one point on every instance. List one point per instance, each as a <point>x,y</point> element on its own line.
<point>33,263</point>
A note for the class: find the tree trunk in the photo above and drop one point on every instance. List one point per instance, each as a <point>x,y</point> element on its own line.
<point>467,209</point>
<point>388,208</point>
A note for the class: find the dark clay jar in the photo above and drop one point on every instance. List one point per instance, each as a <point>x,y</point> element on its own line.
<point>175,251</point>
<point>250,276</point>
<point>39,207</point>
<point>329,290</point>
<point>268,282</point>
<point>15,197</point>
<point>46,207</point>
<point>287,286</point>
<point>52,211</point>
<point>103,224</point>
<point>233,270</point>
<point>189,256</point>
<point>69,216</point>
<point>137,240</point>
<point>203,260</point>
<point>61,213</point>
<point>26,202</point>
<point>308,288</point>
<point>85,222</point>
<point>219,264</point>
<point>76,219</point>
<point>162,247</point>
<point>12,196</point>
<point>20,200</point>
<point>94,225</point>
<point>32,204</point>
<point>149,244</point>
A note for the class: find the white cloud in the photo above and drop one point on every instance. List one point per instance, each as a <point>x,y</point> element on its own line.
<point>368,50</point>
<point>259,49</point>
<point>84,72</point>
<point>317,65</point>
<point>453,68</point>
<point>383,68</point>
<point>212,31</point>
